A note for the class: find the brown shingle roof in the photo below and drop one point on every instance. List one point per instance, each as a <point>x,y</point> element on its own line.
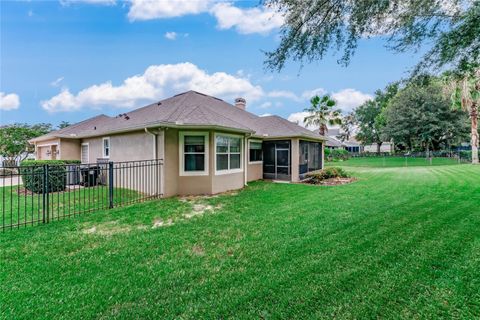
<point>190,108</point>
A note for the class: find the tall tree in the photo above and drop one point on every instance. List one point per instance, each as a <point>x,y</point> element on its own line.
<point>370,116</point>
<point>14,145</point>
<point>313,27</point>
<point>465,94</point>
<point>420,117</point>
<point>322,114</point>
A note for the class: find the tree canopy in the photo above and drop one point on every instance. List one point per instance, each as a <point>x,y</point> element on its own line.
<point>313,28</point>
<point>14,139</point>
<point>420,117</point>
<point>370,116</point>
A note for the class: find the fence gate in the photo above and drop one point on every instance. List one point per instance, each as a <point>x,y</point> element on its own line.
<point>32,195</point>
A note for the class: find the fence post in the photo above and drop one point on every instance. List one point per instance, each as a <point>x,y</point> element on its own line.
<point>45,197</point>
<point>110,184</point>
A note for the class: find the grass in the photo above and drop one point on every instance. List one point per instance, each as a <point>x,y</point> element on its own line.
<point>19,209</point>
<point>398,243</point>
<point>394,162</point>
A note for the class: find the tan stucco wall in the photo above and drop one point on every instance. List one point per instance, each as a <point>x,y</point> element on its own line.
<point>254,171</point>
<point>195,185</point>
<point>69,149</point>
<point>42,148</point>
<point>131,146</point>
<point>94,149</point>
<point>227,182</point>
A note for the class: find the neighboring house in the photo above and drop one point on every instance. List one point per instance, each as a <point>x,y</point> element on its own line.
<point>207,145</point>
<point>353,145</point>
<point>386,147</point>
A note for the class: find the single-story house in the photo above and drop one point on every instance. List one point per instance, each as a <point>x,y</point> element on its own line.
<point>207,145</point>
<point>353,145</point>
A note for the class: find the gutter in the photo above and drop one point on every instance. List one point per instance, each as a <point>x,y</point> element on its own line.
<point>152,126</point>
<point>155,157</point>
<point>245,158</point>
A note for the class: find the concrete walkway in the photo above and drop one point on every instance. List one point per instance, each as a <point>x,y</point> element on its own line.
<point>10,181</point>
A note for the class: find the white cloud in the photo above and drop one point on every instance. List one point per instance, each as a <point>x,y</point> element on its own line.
<point>158,81</point>
<point>56,82</point>
<point>308,94</point>
<point>349,99</point>
<point>246,21</point>
<point>9,101</point>
<point>265,115</point>
<point>298,117</point>
<point>171,35</point>
<point>156,9</point>
<point>283,94</point>
<point>266,105</point>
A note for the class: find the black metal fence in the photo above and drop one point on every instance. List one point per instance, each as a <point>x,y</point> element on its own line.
<point>32,195</point>
<point>453,156</point>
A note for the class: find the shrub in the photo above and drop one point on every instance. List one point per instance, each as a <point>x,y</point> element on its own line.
<point>327,173</point>
<point>337,154</point>
<point>32,172</point>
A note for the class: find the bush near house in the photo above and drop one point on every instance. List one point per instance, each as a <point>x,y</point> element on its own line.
<point>337,154</point>
<point>32,174</point>
<point>328,173</point>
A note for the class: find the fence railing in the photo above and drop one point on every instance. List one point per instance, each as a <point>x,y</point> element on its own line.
<point>32,195</point>
<point>460,157</point>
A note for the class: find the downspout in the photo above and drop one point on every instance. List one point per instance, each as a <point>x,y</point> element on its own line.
<point>155,156</point>
<point>245,172</point>
<point>154,143</point>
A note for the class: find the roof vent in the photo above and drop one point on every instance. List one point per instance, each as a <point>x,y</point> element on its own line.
<point>240,103</point>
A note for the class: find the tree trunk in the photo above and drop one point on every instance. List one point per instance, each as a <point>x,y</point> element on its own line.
<point>474,133</point>
<point>379,145</point>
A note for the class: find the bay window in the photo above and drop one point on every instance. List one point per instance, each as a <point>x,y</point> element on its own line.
<point>193,153</point>
<point>228,153</point>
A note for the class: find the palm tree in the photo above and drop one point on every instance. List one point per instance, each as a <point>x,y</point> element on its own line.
<point>466,96</point>
<point>321,113</point>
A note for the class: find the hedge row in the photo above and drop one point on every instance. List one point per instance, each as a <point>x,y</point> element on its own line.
<point>32,172</point>
<point>336,154</point>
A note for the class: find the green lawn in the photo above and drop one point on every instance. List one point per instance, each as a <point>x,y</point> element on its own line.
<point>18,208</point>
<point>398,243</point>
<point>394,162</point>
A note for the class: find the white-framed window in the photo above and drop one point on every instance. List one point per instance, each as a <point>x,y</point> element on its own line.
<point>228,153</point>
<point>84,153</point>
<point>255,153</point>
<point>193,153</point>
<point>106,147</point>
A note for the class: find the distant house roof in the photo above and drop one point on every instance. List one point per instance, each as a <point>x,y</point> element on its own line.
<point>188,109</point>
<point>333,142</point>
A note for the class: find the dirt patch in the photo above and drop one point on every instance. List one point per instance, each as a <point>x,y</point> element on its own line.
<point>158,223</point>
<point>197,250</point>
<point>202,197</point>
<point>333,181</point>
<point>23,192</point>
<point>107,229</point>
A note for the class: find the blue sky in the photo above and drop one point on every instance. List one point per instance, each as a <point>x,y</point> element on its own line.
<point>73,59</point>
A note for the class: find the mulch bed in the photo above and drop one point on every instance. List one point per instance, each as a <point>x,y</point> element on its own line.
<point>332,181</point>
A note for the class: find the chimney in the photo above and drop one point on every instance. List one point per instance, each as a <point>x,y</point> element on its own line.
<point>240,103</point>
